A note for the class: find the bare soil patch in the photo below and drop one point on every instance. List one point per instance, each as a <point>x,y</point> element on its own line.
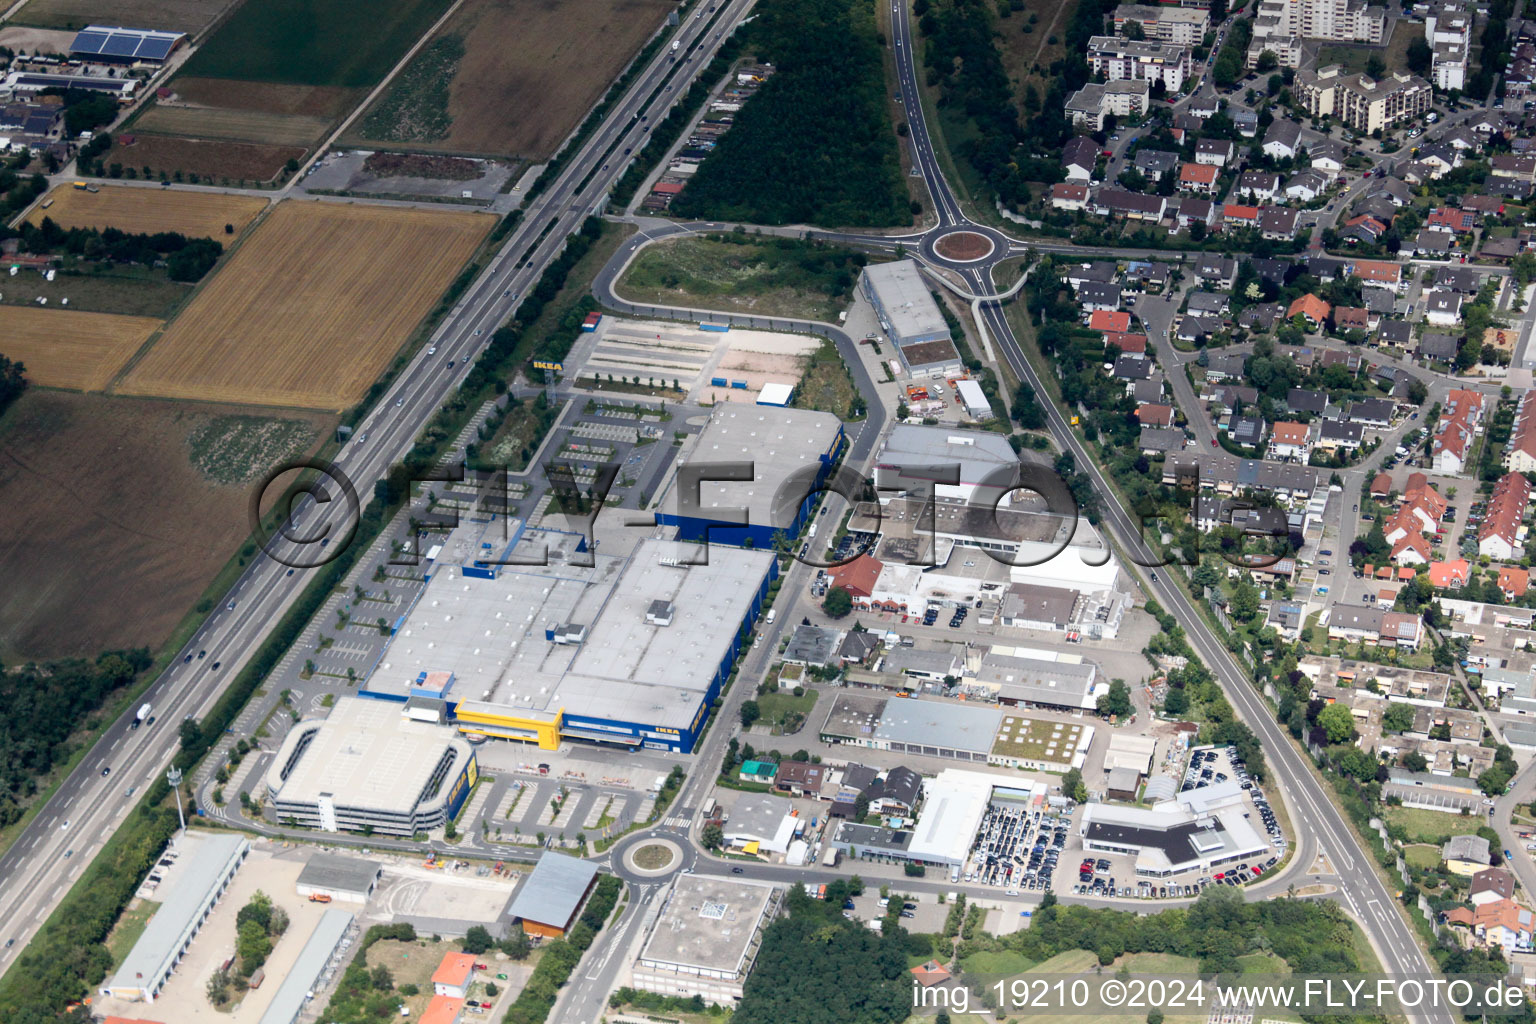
<point>328,101</point>
<point>233,161</point>
<point>420,165</point>
<point>108,533</point>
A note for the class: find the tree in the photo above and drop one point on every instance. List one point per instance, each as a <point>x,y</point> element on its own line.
<point>382,979</point>
<point>712,837</point>
<point>838,603</point>
<point>750,713</point>
<point>1117,702</point>
<point>1176,702</point>
<point>1337,723</point>
<point>1375,67</point>
<point>1495,780</point>
<point>253,946</point>
<point>516,944</point>
<point>1072,785</point>
<point>1267,61</point>
<point>1245,601</point>
<point>477,940</point>
<point>1420,56</point>
<point>1523,267</point>
<point>1228,67</point>
<point>1133,30</point>
<point>1398,717</point>
<point>1415,761</point>
<point>191,733</point>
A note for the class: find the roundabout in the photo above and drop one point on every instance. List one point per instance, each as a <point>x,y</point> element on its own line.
<point>653,857</point>
<point>964,246</point>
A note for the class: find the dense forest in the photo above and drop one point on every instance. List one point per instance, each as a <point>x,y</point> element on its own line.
<point>962,59</point>
<point>815,145</point>
<point>40,706</point>
<point>186,259</point>
<point>818,967</point>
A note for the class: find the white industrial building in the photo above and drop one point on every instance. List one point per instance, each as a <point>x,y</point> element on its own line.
<point>321,954</point>
<point>955,801</point>
<point>366,766</point>
<point>1201,829</point>
<point>705,938</point>
<point>207,865</point>
<point>338,877</point>
<point>760,823</point>
<point>1032,677</point>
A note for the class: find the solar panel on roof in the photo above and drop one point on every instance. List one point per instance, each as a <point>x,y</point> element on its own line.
<point>155,47</point>
<point>119,45</point>
<point>89,42</point>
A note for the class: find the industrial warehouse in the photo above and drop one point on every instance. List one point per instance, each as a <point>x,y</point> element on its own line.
<point>958,732</point>
<point>911,317</point>
<point>791,451</point>
<point>368,766</point>
<point>626,650</point>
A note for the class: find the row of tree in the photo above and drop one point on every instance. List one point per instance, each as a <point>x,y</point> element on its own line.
<point>186,259</point>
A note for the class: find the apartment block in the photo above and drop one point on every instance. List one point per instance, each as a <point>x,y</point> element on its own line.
<point>1185,26</point>
<point>1116,58</point>
<point>1091,104</point>
<point>1361,102</point>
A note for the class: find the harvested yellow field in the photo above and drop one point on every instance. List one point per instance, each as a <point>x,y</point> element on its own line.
<point>311,308</point>
<point>148,210</point>
<point>65,348</point>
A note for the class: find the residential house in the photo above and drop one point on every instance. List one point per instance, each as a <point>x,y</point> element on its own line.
<point>1351,318</point>
<point>1220,271</point>
<point>1375,627</point>
<point>1311,309</point>
<point>1451,219</point>
<point>1079,157</point>
<point>1466,855</point>
<point>1491,884</point>
<point>1397,333</point>
<point>1258,186</point>
<point>1290,440</point>
<point>1067,196</point>
<point>1283,139</point>
<point>1433,345</point>
<point>1373,412</point>
<point>1277,223</point>
<point>1443,309</point>
<point>1304,400</point>
<point>1110,320</point>
<point>1093,296</point>
<point>1155,164</point>
<point>1363,228</point>
<point>1337,435</point>
<point>1499,534</point>
<point>1305,186</point>
<point>1112,202</point>
<point>1433,245</point>
<point>1198,178</point>
<point>1215,152</point>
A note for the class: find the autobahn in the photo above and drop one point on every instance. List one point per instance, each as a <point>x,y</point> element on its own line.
<point>87,807</point>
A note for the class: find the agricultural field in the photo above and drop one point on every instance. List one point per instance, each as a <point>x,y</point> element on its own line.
<point>116,531</point>
<point>311,308</point>
<point>314,42</point>
<point>510,58</point>
<point>128,289</point>
<point>65,348</point>
<point>207,158</point>
<point>190,16</point>
<point>146,211</point>
<point>235,125</point>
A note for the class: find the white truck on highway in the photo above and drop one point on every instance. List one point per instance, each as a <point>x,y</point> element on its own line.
<point>143,715</point>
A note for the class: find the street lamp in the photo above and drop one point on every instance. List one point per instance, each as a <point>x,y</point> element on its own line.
<point>174,778</point>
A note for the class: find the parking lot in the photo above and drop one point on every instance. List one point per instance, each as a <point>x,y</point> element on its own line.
<point>1017,847</point>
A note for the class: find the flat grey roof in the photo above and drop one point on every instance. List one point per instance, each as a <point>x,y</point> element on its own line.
<point>917,659</point>
<point>757,814</point>
<point>1039,682</point>
<point>335,871</point>
<point>854,715</point>
<point>707,924</point>
<point>905,298</point>
<point>778,442</point>
<point>202,865</point>
<point>948,726</point>
<point>813,645</point>
<point>367,755</point>
<point>491,633</point>
<point>977,452</point>
<point>294,992</point>
<point>553,890</point>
